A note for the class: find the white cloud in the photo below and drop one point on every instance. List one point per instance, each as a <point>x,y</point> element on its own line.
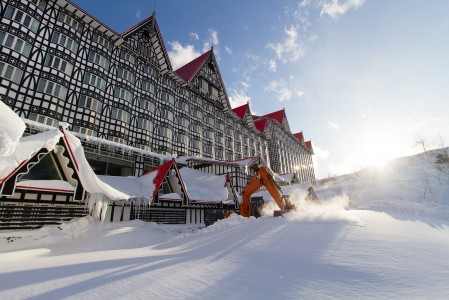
<point>280,89</point>
<point>336,8</point>
<point>283,90</point>
<point>272,66</point>
<point>180,55</point>
<point>194,36</point>
<point>228,50</point>
<point>290,49</point>
<point>238,98</point>
<point>332,125</point>
<point>212,41</point>
<point>138,14</point>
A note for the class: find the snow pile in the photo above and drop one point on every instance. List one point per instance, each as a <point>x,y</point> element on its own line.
<point>26,148</point>
<point>204,187</point>
<point>410,185</point>
<point>11,130</point>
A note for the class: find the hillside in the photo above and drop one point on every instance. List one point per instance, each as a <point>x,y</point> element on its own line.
<point>377,234</point>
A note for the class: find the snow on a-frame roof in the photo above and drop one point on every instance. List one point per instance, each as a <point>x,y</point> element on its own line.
<point>26,148</point>
<point>11,130</point>
<point>204,187</point>
<point>132,186</point>
<point>89,179</point>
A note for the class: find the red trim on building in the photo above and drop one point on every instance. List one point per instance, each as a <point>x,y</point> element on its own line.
<point>44,189</point>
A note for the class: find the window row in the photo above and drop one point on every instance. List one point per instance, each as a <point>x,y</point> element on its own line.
<point>22,18</point>
<point>11,73</point>
<point>52,88</point>
<point>13,42</point>
<point>66,42</point>
<point>94,80</point>
<point>59,64</point>
<point>98,60</point>
<point>71,22</point>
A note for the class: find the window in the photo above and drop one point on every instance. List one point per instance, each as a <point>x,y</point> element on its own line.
<point>71,22</point>
<point>214,93</point>
<point>102,41</point>
<point>123,94</point>
<point>83,130</point>
<point>15,43</point>
<point>120,115</point>
<point>60,39</point>
<point>149,71</point>
<point>59,64</point>
<point>145,124</point>
<point>182,138</point>
<point>125,74</point>
<point>89,103</point>
<point>164,132</point>
<point>183,122</point>
<point>166,114</point>
<point>39,3</point>
<point>98,60</point>
<point>127,57</point>
<point>21,18</point>
<point>165,97</point>
<point>147,105</point>
<point>182,105</point>
<point>195,144</point>
<point>204,86</point>
<point>94,80</point>
<point>44,120</point>
<point>11,73</point>
<point>146,86</point>
<point>52,88</point>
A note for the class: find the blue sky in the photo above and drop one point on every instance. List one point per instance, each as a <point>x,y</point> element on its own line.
<point>364,79</point>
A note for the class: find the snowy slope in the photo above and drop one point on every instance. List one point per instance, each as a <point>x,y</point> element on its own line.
<point>378,248</point>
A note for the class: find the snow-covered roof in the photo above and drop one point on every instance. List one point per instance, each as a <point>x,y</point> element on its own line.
<point>11,130</point>
<point>287,177</point>
<point>89,179</point>
<point>132,186</point>
<point>204,187</point>
<point>26,148</point>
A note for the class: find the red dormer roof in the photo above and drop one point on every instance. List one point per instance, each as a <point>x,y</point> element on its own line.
<point>188,71</point>
<point>241,110</point>
<point>260,124</point>
<point>162,171</point>
<point>309,146</point>
<point>299,136</point>
<point>277,115</point>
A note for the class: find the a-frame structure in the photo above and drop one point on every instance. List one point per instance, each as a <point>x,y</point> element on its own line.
<point>203,75</point>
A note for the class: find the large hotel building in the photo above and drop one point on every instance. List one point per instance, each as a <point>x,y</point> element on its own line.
<point>122,97</point>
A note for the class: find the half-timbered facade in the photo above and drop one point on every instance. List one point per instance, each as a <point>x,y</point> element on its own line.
<point>60,64</point>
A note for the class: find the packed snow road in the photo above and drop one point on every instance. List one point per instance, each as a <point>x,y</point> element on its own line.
<point>344,254</point>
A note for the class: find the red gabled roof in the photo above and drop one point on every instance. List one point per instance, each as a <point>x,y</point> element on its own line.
<point>241,110</point>
<point>277,115</point>
<point>299,136</point>
<point>188,71</point>
<point>162,171</point>
<point>260,124</point>
<point>309,145</point>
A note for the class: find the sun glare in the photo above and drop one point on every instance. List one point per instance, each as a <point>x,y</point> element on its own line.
<point>376,152</point>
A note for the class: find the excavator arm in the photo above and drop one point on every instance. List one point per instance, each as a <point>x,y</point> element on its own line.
<point>263,178</point>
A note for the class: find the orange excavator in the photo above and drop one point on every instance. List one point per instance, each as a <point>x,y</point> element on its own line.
<point>250,206</point>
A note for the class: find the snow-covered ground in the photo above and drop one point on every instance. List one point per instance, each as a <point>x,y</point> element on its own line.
<point>380,233</point>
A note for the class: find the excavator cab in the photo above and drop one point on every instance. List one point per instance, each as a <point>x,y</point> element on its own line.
<point>257,203</point>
